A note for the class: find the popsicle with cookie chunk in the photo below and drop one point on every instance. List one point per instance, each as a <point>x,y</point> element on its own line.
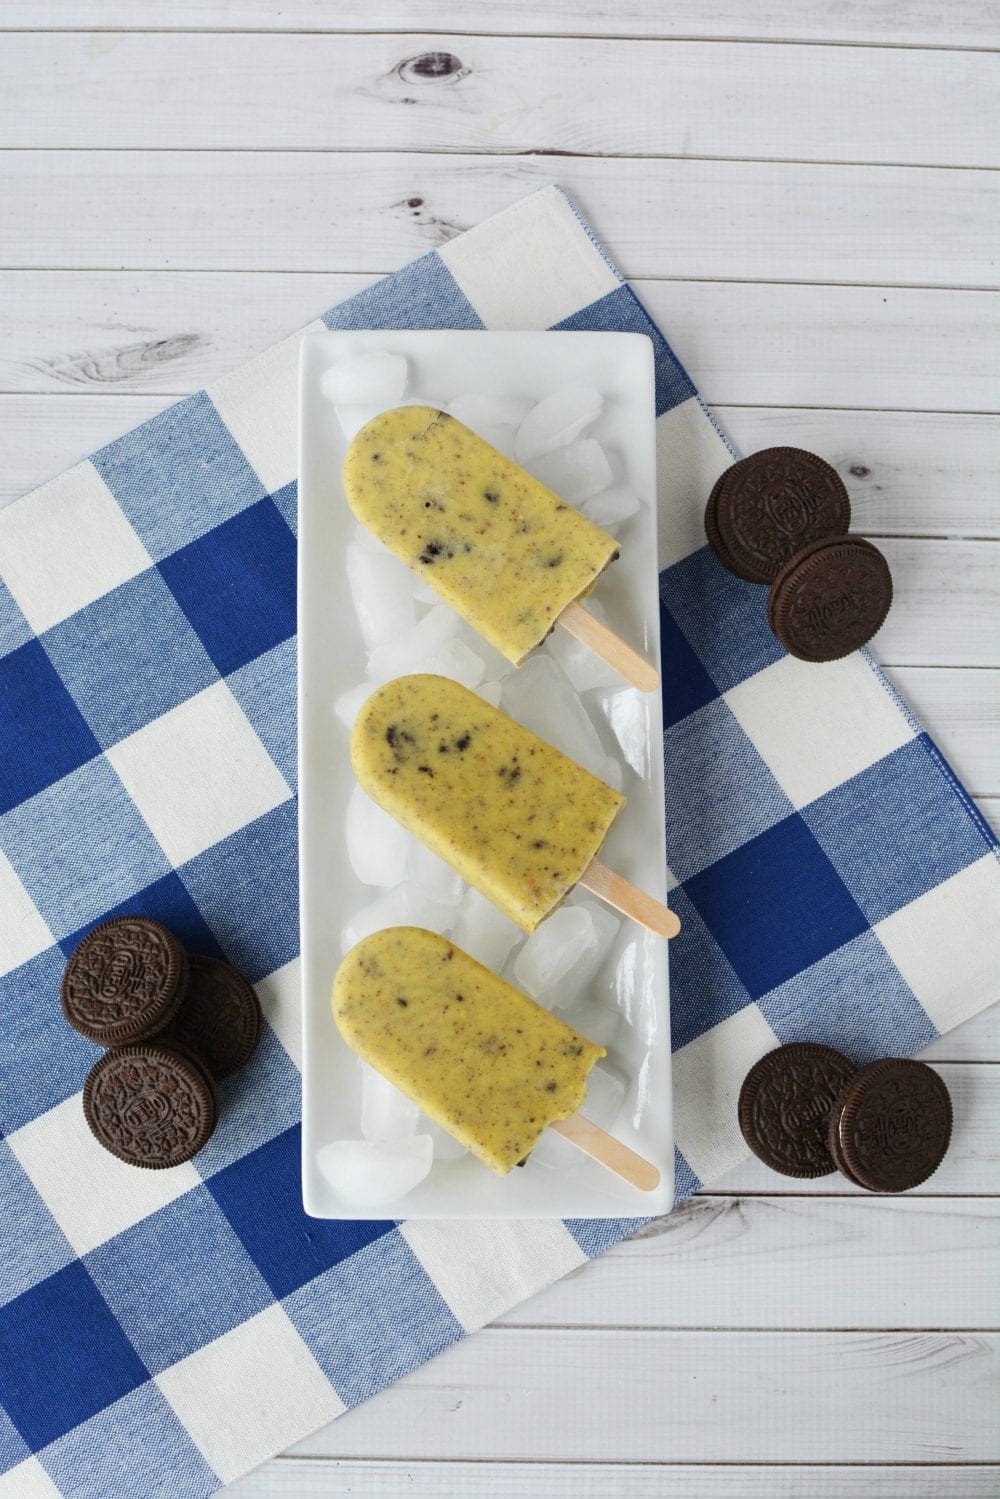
<point>482,1059</point>
<point>513,815</point>
<point>505,552</point>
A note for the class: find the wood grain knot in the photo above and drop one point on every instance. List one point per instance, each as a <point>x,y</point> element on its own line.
<point>430,67</point>
<point>859,471</point>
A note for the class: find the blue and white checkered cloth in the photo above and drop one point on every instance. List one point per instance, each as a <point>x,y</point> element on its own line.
<point>162,1332</point>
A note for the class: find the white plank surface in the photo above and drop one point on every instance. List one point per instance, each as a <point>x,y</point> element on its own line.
<point>794,222</point>
<point>793,217</point>
<point>912,23</point>
<point>501,94</point>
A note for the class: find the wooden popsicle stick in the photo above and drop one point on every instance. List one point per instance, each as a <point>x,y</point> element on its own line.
<point>611,1153</point>
<point>616,891</point>
<point>612,650</point>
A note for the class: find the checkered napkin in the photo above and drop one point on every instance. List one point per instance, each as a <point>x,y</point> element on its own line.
<point>162,1332</point>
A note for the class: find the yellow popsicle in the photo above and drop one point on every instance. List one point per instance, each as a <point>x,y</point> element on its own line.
<point>482,1059</point>
<point>515,817</point>
<point>500,548</point>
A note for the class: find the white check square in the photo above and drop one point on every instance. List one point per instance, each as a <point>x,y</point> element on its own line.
<point>91,1194</point>
<point>945,943</point>
<point>280,995</point>
<point>491,1265</point>
<point>259,403</point>
<point>28,1480</point>
<point>529,267</point>
<point>65,545</point>
<point>816,726</point>
<point>708,1075</point>
<point>690,456</point>
<point>23,933</point>
<point>198,773</point>
<point>250,1393</point>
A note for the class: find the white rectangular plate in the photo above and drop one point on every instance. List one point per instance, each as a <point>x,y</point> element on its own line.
<point>627,1000</point>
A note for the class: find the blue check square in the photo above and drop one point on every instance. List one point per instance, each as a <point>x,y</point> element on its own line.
<point>165,900</point>
<point>896,830</point>
<point>134,1448</point>
<point>246,887</point>
<point>423,294</point>
<point>723,618</point>
<point>43,735</point>
<point>45,1391</point>
<point>128,657</point>
<point>620,311</point>
<point>265,690</point>
<point>81,847</point>
<point>236,584</point>
<point>719,790</point>
<point>775,906</point>
<point>52,1059</point>
<point>704,988</point>
<point>261,1195</point>
<point>178,475</point>
<point>178,1279</point>
<point>855,1000</point>
<point>32,1245</point>
<point>361,1342</point>
<point>686,685</point>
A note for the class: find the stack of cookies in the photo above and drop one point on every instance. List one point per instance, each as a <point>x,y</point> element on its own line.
<point>781,518</point>
<point>174,1025</point>
<point>806,1110</point>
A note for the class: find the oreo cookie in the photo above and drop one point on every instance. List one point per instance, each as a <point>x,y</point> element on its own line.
<point>150,1104</point>
<point>830,598</point>
<point>767,507</point>
<point>785,1103</point>
<point>124,981</point>
<point>890,1127</point>
<point>220,1017</point>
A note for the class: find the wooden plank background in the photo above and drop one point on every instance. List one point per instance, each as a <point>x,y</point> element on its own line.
<point>807,199</point>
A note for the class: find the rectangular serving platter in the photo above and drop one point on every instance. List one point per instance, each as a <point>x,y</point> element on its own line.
<point>628,997</point>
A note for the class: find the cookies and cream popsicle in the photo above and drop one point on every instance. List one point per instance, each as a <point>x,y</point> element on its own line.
<point>515,817</point>
<point>505,552</point>
<point>482,1059</point>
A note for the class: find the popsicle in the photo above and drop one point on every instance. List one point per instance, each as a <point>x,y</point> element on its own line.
<point>482,1059</point>
<point>515,817</point>
<point>509,555</point>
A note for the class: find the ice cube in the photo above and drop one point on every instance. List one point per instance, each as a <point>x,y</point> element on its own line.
<point>436,879</point>
<point>411,652</point>
<point>489,692</point>
<point>575,985</point>
<point>446,1147</point>
<point>541,697</point>
<point>503,439</point>
<point>612,507</point>
<point>404,905</point>
<point>561,941</point>
<point>576,471</point>
<point>353,418</point>
<point>628,714</point>
<point>457,660</point>
<point>581,665</point>
<point>479,410</point>
<point>422,591</point>
<point>376,844</point>
<point>349,703</point>
<point>557,420</point>
<point>605,1096</point>
<point>380,592</point>
<point>596,1019</point>
<point>372,1173</point>
<point>552,1150</point>
<point>483,931</point>
<point>386,1114</point>
<point>365,379</point>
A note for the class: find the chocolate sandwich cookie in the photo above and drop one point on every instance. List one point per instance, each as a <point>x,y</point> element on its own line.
<point>220,1017</point>
<point>769,506</point>
<point>785,1103</point>
<point>891,1125</point>
<point>124,981</point>
<point>830,598</point>
<point>150,1104</point>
